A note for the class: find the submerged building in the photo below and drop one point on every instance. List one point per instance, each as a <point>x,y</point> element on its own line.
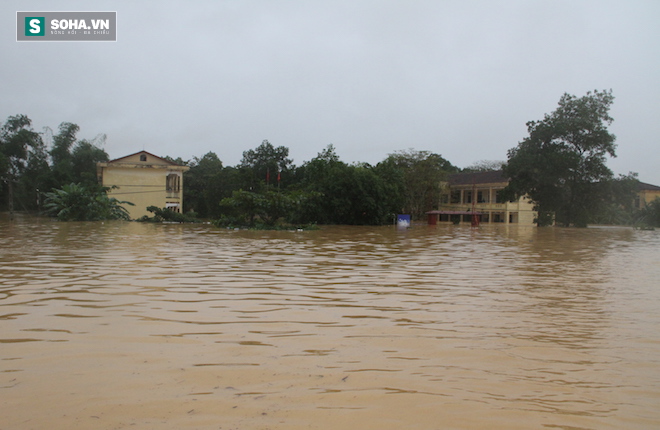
<point>646,193</point>
<point>145,180</point>
<point>467,195</point>
<point>476,197</point>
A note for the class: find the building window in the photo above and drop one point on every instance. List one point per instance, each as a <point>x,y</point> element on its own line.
<point>481,197</point>
<point>173,206</point>
<point>456,196</point>
<point>467,196</point>
<point>173,183</point>
<point>143,157</point>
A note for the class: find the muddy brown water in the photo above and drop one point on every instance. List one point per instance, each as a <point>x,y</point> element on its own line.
<point>124,325</point>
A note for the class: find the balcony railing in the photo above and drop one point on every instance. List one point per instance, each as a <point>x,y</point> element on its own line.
<point>481,206</point>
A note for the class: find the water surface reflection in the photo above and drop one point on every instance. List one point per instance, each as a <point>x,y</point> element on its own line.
<point>107,325</point>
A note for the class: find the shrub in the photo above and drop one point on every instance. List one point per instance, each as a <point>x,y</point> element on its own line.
<point>166,215</point>
<point>75,202</point>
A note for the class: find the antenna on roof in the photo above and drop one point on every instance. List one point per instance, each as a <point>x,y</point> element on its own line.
<point>99,140</point>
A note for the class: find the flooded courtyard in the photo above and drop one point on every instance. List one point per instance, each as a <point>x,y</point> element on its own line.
<point>125,325</point>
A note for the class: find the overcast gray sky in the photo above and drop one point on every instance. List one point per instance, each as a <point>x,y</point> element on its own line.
<point>459,78</point>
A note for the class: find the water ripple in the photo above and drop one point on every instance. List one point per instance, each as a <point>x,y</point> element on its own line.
<point>556,327</point>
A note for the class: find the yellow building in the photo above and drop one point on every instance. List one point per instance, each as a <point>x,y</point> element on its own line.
<point>144,180</point>
<point>480,192</point>
<point>646,193</point>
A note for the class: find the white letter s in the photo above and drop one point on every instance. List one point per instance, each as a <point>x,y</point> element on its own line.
<point>35,27</point>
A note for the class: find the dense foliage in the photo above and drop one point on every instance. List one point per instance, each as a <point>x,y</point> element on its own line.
<point>22,158</point>
<point>561,164</point>
<point>649,216</point>
<point>76,202</point>
<point>29,168</point>
<point>166,215</point>
<point>265,210</point>
<point>420,175</point>
<point>266,188</point>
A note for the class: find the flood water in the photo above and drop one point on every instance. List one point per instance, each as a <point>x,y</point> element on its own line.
<point>123,325</point>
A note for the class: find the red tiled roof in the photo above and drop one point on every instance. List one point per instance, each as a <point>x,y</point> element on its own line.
<point>146,153</point>
<point>642,186</point>
<point>491,177</point>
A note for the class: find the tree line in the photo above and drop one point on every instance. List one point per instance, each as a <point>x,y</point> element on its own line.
<point>30,168</point>
<point>266,187</point>
<point>43,173</point>
<point>560,166</point>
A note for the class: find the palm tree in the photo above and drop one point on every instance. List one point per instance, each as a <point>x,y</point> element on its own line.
<point>75,202</point>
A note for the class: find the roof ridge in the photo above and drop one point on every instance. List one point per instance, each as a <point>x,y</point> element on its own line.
<point>147,153</point>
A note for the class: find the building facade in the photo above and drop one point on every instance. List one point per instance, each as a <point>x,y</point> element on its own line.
<point>646,193</point>
<point>467,193</point>
<point>145,180</point>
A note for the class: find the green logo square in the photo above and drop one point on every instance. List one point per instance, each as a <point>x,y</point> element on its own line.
<point>35,26</point>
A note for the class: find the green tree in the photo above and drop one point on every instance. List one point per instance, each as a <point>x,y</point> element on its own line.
<point>365,197</point>
<point>561,164</point>
<point>649,216</point>
<point>421,173</point>
<point>60,154</point>
<point>207,183</point>
<point>178,160</point>
<point>484,166</point>
<point>75,202</point>
<point>84,157</point>
<point>618,205</point>
<point>351,194</point>
<point>19,145</point>
<point>268,209</point>
<point>167,215</point>
<point>35,177</point>
<point>241,208</point>
<point>393,182</point>
<point>73,160</point>
<point>264,164</point>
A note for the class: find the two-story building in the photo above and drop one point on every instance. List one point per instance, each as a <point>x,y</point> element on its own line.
<point>468,194</point>
<point>145,180</point>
